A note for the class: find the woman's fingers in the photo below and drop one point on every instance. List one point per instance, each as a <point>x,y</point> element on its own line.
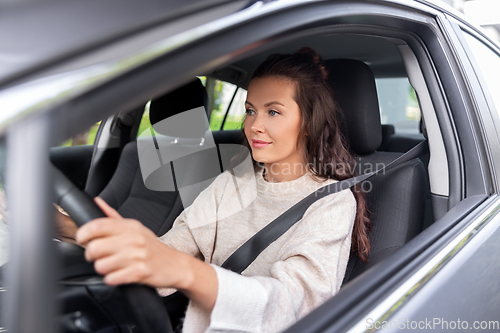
<point>125,251</point>
<point>117,261</point>
<point>101,247</point>
<point>107,209</point>
<point>129,274</point>
<point>101,227</point>
<point>109,264</point>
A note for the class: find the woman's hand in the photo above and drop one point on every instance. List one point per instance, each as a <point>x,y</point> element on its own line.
<point>65,227</point>
<point>125,251</point>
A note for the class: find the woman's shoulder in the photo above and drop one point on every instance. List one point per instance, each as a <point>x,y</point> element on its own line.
<point>226,182</point>
<point>322,186</point>
<point>222,179</point>
<point>335,212</point>
<point>216,187</point>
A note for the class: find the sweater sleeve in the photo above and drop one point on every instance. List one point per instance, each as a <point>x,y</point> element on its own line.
<point>309,270</point>
<point>200,214</point>
<point>190,229</point>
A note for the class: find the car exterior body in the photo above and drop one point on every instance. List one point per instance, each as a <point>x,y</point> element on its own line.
<point>63,76</point>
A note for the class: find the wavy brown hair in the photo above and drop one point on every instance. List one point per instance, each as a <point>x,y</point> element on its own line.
<point>320,141</point>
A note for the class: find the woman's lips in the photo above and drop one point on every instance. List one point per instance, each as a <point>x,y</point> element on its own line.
<point>260,144</point>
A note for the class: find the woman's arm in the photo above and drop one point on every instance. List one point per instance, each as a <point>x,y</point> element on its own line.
<point>125,251</point>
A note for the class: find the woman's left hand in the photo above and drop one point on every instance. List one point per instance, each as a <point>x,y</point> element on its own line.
<point>125,251</point>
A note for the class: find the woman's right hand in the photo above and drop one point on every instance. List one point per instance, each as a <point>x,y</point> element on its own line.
<point>125,251</point>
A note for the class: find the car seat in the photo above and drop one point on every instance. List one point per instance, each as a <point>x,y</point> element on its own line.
<point>396,198</point>
<point>393,142</point>
<point>126,191</point>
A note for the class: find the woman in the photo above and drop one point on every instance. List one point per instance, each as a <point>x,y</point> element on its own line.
<point>292,130</point>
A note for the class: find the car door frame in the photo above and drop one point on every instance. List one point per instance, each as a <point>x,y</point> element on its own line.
<point>479,92</point>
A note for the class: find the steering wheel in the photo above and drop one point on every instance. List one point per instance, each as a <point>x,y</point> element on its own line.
<point>143,301</point>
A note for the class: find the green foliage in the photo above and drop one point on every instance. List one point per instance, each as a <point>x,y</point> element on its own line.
<point>218,96</point>
<point>91,134</point>
<point>145,122</point>
<point>412,97</point>
<point>232,122</point>
<point>215,90</point>
<point>216,120</point>
<point>412,109</point>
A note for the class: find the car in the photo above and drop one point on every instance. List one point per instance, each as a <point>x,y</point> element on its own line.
<point>428,75</point>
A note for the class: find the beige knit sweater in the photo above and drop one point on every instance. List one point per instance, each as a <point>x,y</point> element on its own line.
<point>295,274</point>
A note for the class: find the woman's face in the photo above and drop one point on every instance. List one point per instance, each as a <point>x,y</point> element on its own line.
<point>273,122</point>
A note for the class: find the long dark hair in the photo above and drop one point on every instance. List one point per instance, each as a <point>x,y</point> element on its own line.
<point>320,141</point>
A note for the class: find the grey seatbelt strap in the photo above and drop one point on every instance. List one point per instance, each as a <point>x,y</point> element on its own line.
<point>249,251</point>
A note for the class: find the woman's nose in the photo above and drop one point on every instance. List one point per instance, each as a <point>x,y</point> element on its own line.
<point>258,125</point>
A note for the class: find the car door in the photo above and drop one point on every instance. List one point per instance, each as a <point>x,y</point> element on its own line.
<point>464,288</point>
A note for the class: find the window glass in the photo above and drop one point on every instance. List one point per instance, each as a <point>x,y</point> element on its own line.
<point>398,105</point>
<point>220,94</point>
<point>489,64</point>
<point>145,122</point>
<point>4,214</point>
<point>236,113</point>
<point>87,137</point>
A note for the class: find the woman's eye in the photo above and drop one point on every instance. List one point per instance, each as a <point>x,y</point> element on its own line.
<point>249,112</point>
<point>273,113</point>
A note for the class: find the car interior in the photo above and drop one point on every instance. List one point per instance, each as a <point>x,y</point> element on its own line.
<point>402,202</point>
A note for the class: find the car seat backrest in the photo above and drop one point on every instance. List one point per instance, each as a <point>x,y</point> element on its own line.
<point>189,97</point>
<point>354,91</point>
<point>126,191</point>
<point>395,199</point>
<point>186,97</point>
<point>387,132</point>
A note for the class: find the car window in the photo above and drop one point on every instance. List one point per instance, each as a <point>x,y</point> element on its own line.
<point>397,99</point>
<point>489,64</point>
<point>86,137</point>
<point>224,98</point>
<point>398,105</point>
<point>145,122</point>
<point>236,113</point>
<point>227,110</point>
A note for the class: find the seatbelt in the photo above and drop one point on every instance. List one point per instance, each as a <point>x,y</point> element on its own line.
<point>250,250</point>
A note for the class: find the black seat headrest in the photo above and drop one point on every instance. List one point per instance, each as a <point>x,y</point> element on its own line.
<point>188,97</point>
<point>355,92</point>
